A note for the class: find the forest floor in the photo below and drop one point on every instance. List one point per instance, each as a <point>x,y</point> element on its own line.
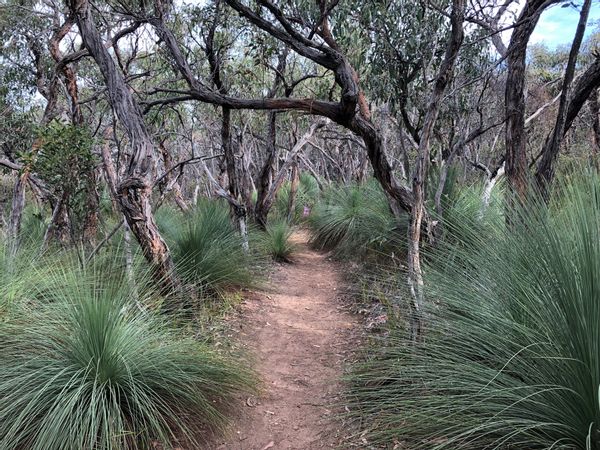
<point>299,335</point>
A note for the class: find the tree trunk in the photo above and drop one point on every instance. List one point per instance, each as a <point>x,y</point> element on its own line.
<point>515,140</point>
<point>595,112</point>
<point>134,192</point>
<point>295,181</point>
<point>16,213</point>
<point>399,195</point>
<point>171,179</point>
<point>195,194</point>
<point>490,182</point>
<point>58,229</point>
<point>545,169</point>
<point>344,112</point>
<point>110,173</point>
<point>265,181</point>
<point>415,274</point>
<point>271,195</point>
<point>92,205</point>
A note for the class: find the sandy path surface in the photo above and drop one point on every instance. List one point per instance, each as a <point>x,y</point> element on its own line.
<point>299,335</point>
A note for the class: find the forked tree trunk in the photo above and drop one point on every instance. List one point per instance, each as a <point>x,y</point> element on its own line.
<point>545,170</point>
<point>134,192</point>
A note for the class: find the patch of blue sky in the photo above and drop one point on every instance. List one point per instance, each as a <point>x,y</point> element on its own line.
<point>557,25</point>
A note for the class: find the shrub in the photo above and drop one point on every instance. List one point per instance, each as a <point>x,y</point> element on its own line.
<point>356,219</point>
<point>276,240</point>
<point>33,226</point>
<point>23,271</point>
<point>207,249</point>
<point>306,195</point>
<point>80,368</point>
<point>510,357</point>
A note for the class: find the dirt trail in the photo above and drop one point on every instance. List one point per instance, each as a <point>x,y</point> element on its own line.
<point>299,335</point>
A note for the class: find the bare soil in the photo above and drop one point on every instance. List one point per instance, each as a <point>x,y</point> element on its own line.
<point>299,335</point>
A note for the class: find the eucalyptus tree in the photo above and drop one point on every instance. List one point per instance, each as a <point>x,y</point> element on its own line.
<point>311,35</point>
<point>37,33</point>
<point>572,97</point>
<point>135,189</point>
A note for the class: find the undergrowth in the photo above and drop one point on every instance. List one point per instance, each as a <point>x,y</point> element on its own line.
<point>510,356</point>
<point>85,364</point>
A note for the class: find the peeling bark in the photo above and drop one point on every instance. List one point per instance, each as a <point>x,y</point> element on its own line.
<point>134,191</point>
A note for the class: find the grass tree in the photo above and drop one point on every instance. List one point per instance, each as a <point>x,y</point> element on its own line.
<point>510,358</point>
<point>84,367</point>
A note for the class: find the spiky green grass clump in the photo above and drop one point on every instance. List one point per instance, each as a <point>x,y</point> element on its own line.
<point>33,226</point>
<point>208,251</point>
<point>356,219</point>
<point>81,368</point>
<point>18,273</point>
<point>511,352</point>
<point>276,240</point>
<point>465,222</point>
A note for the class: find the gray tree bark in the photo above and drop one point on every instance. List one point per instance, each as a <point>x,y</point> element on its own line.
<point>134,191</point>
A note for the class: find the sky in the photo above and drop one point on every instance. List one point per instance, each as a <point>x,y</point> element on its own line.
<point>557,25</point>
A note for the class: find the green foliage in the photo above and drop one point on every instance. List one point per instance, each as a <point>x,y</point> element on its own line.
<point>464,220</point>
<point>449,192</point>
<point>510,357</point>
<point>355,220</point>
<point>17,274</point>
<point>276,240</point>
<point>33,226</point>
<point>207,249</point>
<point>64,161</point>
<point>16,128</point>
<point>84,368</point>
<point>546,65</point>
<point>306,195</point>
<point>64,156</point>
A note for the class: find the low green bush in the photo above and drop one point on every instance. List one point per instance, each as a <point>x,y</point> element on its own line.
<point>355,220</point>
<point>276,240</point>
<point>207,249</point>
<point>82,367</point>
<point>510,357</point>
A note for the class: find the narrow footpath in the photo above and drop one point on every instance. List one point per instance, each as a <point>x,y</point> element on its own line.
<point>299,335</point>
